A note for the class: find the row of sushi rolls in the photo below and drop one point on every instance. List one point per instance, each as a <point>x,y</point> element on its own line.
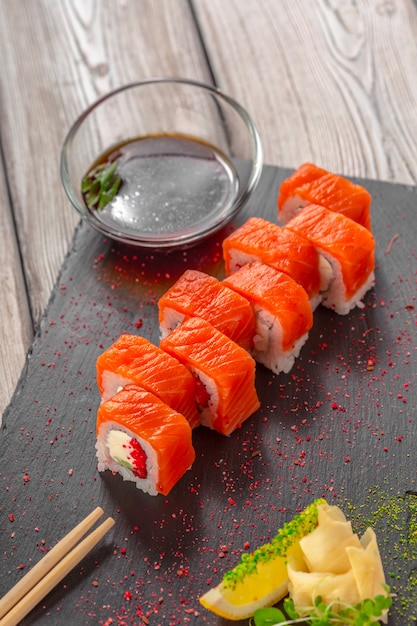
<point>213,332</point>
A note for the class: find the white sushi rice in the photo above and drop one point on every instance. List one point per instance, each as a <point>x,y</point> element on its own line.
<point>237,259</point>
<point>208,414</point>
<point>291,207</point>
<point>334,297</point>
<point>171,319</point>
<point>268,343</point>
<point>106,460</point>
<point>112,383</point>
<point>326,273</point>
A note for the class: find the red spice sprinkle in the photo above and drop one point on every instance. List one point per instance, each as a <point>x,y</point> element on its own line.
<point>11,517</point>
<point>127,596</point>
<point>231,501</point>
<point>139,457</point>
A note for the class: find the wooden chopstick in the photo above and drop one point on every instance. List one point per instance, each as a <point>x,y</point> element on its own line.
<point>51,569</point>
<point>48,562</point>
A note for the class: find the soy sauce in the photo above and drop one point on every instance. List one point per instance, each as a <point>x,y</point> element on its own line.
<point>170,184</point>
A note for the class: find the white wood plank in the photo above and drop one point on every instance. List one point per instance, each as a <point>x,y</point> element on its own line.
<point>16,325</point>
<point>329,81</point>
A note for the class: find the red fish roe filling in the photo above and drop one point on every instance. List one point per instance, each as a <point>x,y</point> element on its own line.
<point>138,457</point>
<point>201,395</point>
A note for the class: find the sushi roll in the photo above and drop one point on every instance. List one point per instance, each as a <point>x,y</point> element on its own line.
<point>225,373</point>
<point>349,250</point>
<point>198,294</point>
<point>283,312</point>
<point>144,440</point>
<point>311,184</point>
<point>134,359</point>
<point>285,250</point>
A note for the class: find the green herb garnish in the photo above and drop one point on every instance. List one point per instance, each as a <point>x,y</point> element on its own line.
<point>101,185</point>
<point>365,613</point>
<point>290,533</point>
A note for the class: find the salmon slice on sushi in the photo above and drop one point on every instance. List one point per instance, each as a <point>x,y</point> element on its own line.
<point>198,294</point>
<point>224,370</point>
<point>134,359</point>
<point>311,184</point>
<point>144,440</point>
<point>349,250</point>
<point>283,312</point>
<point>285,250</point>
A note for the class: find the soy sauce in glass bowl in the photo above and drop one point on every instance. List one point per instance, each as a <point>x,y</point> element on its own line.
<point>163,163</point>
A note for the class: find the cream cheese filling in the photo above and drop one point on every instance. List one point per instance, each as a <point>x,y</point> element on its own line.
<point>118,443</point>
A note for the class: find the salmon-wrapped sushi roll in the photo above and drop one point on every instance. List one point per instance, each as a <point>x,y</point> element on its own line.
<point>260,240</point>
<point>311,184</point>
<point>134,359</point>
<point>198,294</point>
<point>144,440</point>
<point>224,370</point>
<point>283,313</point>
<point>348,248</point>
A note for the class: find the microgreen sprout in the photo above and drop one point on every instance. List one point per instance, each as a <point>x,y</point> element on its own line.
<point>100,186</point>
<point>364,613</point>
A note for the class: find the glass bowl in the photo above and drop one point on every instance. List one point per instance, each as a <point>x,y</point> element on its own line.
<point>186,156</point>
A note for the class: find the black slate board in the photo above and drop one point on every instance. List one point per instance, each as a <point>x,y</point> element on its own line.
<point>341,425</point>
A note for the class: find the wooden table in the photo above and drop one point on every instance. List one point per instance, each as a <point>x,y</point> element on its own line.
<point>330,82</point>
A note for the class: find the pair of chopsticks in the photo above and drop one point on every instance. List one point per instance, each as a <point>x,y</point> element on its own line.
<point>51,569</point>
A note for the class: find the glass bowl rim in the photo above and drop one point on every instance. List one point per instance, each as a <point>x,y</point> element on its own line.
<point>190,237</point>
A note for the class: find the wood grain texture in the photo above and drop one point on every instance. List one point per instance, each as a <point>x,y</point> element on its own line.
<point>327,81</point>
<point>16,330</point>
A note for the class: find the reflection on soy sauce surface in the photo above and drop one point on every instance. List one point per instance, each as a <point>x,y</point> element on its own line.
<point>169,183</point>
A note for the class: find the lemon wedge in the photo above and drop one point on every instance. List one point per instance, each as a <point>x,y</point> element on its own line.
<point>261,577</point>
